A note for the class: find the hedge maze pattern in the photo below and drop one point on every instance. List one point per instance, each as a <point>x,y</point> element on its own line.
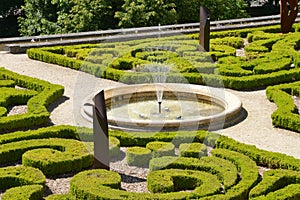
<point>206,165</point>
<point>270,58</point>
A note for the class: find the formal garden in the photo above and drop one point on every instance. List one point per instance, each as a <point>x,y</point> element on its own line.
<point>183,164</point>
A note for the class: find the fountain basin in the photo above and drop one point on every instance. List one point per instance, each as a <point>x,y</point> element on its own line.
<point>184,107</point>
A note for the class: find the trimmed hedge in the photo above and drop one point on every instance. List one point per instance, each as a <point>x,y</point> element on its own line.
<point>20,176</point>
<point>275,180</point>
<point>60,197</point>
<point>236,172</point>
<point>22,183</point>
<point>37,114</point>
<point>248,172</point>
<point>223,169</point>
<point>195,150</point>
<point>159,149</point>
<point>286,116</point>
<point>28,192</point>
<point>138,156</point>
<point>124,61</point>
<point>172,180</point>
<point>52,156</point>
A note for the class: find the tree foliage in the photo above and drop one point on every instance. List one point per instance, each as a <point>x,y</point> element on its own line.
<point>85,15</point>
<point>68,16</point>
<point>40,17</point>
<point>138,13</point>
<point>228,9</point>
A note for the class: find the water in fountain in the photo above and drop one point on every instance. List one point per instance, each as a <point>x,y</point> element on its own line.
<point>159,76</point>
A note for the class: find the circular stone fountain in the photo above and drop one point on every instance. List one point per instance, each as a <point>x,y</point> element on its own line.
<point>182,107</point>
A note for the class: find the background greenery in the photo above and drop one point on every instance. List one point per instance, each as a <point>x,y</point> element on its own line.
<point>36,17</point>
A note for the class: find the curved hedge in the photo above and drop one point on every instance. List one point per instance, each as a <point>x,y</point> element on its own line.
<point>172,180</point>
<point>22,183</point>
<point>28,192</point>
<point>235,170</point>
<point>268,57</point>
<point>286,116</point>
<point>37,102</point>
<point>52,156</point>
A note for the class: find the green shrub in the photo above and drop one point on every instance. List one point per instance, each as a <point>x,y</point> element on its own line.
<point>236,42</point>
<point>22,183</point>
<point>286,115</point>
<point>60,197</point>
<point>248,172</point>
<point>52,156</point>
<point>45,93</point>
<point>28,192</point>
<point>195,150</point>
<point>138,156</point>
<point>7,83</point>
<point>223,169</point>
<point>274,180</point>
<point>172,180</point>
<point>159,149</point>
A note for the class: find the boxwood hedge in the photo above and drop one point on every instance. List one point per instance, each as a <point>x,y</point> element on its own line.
<point>269,53</point>
<point>38,96</point>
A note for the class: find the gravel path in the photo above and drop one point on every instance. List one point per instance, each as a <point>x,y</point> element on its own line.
<point>256,129</point>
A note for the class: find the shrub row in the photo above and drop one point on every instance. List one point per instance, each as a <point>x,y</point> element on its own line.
<point>248,172</point>
<point>52,156</point>
<point>37,112</point>
<point>7,83</point>
<point>19,176</point>
<point>289,192</point>
<point>22,183</point>
<point>139,156</point>
<point>261,157</point>
<point>225,170</point>
<point>286,116</point>
<point>101,184</point>
<point>274,180</point>
<point>262,40</point>
<point>128,139</point>
<point>173,180</point>
<point>11,96</point>
<point>28,192</point>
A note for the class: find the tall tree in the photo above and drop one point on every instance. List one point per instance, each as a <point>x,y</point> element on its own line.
<point>226,9</point>
<point>138,13</point>
<point>86,15</point>
<point>39,17</point>
<point>188,10</point>
<point>67,16</point>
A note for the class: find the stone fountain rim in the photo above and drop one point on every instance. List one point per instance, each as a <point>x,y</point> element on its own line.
<point>231,103</point>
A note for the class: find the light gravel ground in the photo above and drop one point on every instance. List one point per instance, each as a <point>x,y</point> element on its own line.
<point>256,129</point>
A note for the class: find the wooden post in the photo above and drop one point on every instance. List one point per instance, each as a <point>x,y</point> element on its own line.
<point>100,125</point>
<point>204,29</point>
<point>288,14</point>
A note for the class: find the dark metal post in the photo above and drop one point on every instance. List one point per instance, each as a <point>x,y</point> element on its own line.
<point>159,107</point>
<point>204,29</point>
<point>100,125</point>
<point>288,14</point>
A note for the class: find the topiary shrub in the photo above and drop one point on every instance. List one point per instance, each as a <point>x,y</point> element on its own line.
<point>159,149</point>
<point>195,150</point>
<point>138,156</point>
<point>43,93</point>
<point>27,192</point>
